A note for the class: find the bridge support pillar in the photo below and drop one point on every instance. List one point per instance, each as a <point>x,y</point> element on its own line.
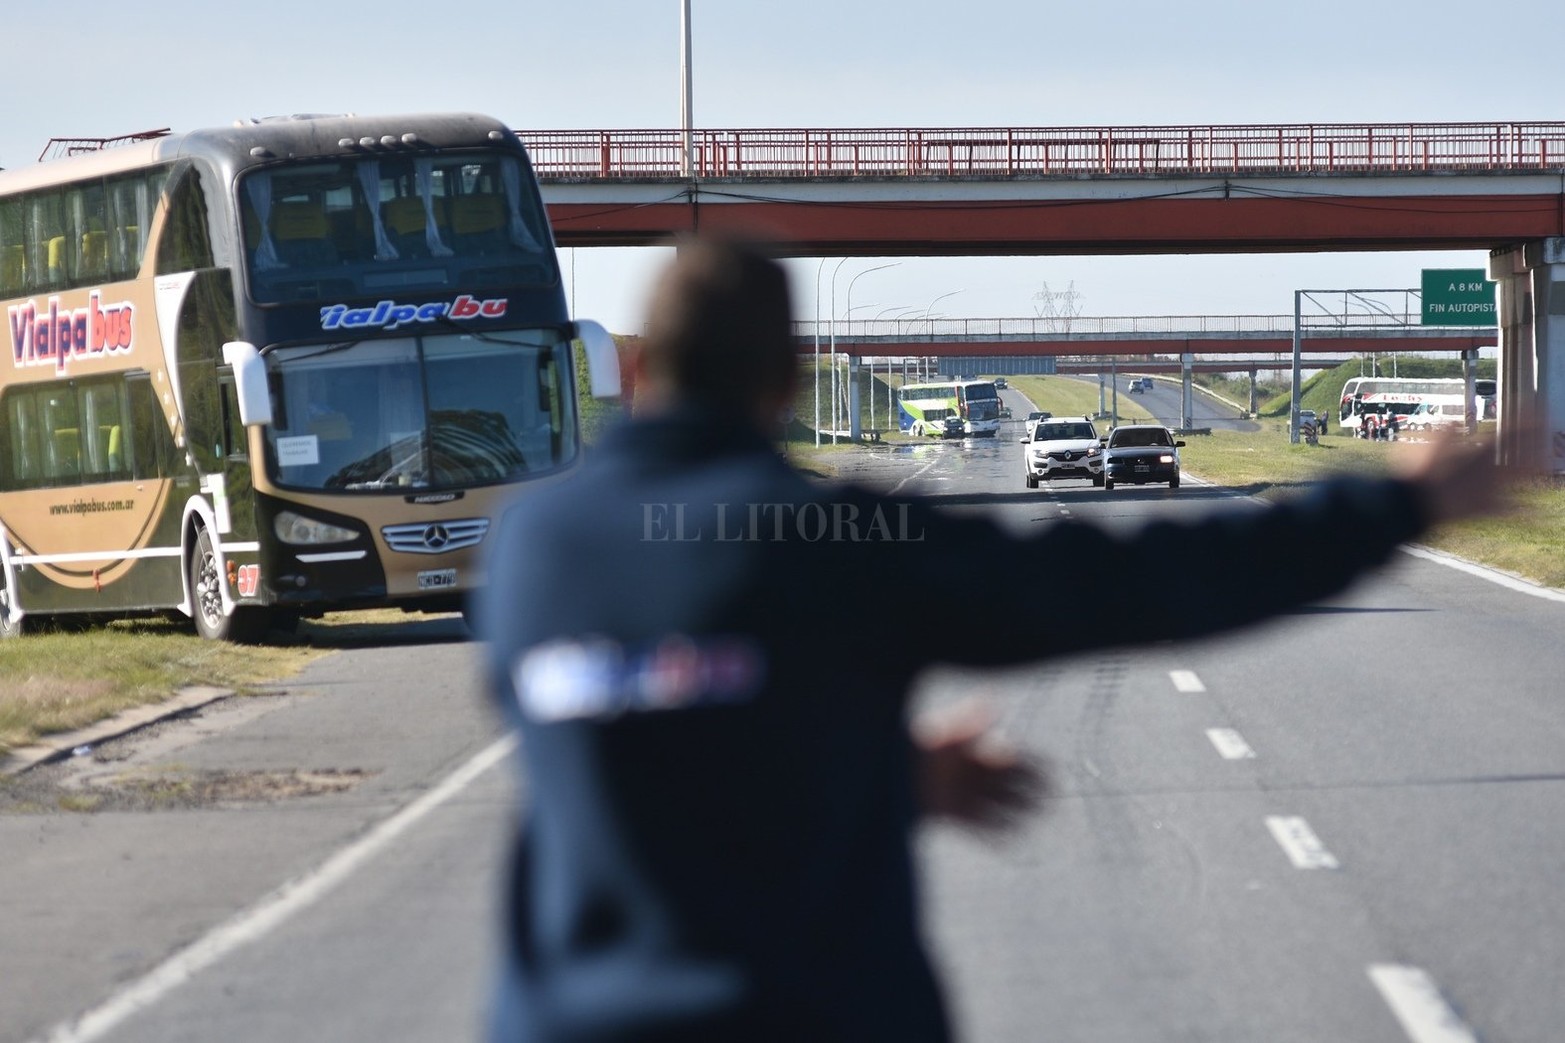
<point>1255,393</point>
<point>1531,280</point>
<point>855,370</point>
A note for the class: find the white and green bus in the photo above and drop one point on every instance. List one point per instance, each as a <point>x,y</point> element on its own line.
<point>276,369</point>
<point>975,405</point>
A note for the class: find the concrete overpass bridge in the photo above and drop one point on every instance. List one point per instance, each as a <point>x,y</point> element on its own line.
<point>1020,191</point>
<point>1166,344</point>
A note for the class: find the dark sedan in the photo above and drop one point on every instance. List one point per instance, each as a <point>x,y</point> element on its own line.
<point>1135,454</point>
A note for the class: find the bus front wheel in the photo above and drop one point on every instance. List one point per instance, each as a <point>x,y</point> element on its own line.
<point>246,625</point>
<point>8,629</point>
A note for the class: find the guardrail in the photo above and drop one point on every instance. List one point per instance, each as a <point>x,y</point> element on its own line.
<point>1326,148</point>
<point>1109,325</point>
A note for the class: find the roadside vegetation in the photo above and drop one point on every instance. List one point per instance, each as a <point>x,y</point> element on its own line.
<point>66,679</point>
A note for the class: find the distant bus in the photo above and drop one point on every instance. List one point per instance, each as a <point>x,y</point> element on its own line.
<point>1403,395</point>
<point>975,403</point>
<point>271,370</point>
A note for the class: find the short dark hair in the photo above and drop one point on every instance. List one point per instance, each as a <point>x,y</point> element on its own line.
<point>719,327</point>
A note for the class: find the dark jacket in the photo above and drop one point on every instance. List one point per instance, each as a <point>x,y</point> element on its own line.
<point>702,650</point>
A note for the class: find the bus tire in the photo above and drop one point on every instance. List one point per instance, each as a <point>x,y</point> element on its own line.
<point>245,625</point>
<point>9,629</point>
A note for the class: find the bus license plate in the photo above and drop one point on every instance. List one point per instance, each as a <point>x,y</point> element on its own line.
<point>436,579</point>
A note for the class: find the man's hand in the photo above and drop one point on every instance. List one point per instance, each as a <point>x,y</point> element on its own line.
<point>967,776</point>
<point>1456,476</point>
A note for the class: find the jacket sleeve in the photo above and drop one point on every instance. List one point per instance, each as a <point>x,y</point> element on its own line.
<point>1076,586</point>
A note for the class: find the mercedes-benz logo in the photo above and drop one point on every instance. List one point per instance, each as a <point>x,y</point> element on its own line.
<point>436,537</point>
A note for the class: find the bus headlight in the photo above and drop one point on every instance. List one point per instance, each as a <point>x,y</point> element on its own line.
<point>297,529</point>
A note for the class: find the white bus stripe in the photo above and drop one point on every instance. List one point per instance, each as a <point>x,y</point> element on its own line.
<point>97,555</point>
<point>1299,843</point>
<point>1186,681</point>
<point>1230,743</point>
<point>1416,1001</point>
<point>273,910</point>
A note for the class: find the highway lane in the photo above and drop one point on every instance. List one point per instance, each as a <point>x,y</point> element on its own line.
<point>1175,888</point>
<point>1294,833</point>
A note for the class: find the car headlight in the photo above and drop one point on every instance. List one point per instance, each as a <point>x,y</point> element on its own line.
<point>299,530</point>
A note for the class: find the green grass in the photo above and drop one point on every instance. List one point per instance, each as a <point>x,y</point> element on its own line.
<point>1066,396</point>
<point>55,682</point>
<point>1528,542</point>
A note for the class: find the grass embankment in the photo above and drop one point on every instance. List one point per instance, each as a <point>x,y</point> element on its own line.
<point>1066,396</point>
<point>55,682</point>
<point>1529,542</point>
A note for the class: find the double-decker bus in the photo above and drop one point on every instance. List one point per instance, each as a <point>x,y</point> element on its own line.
<point>974,403</point>
<point>277,369</point>
<point>1403,395</point>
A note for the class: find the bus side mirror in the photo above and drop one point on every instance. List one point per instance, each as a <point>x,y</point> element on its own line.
<point>250,385</point>
<point>602,358</point>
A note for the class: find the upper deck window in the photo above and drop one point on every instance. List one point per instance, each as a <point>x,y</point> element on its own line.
<point>375,225</point>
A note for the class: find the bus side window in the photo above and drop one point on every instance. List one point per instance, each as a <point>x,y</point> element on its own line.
<point>150,443</point>
<point>21,457</point>
<point>236,440</point>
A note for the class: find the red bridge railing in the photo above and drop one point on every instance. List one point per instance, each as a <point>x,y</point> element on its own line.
<point>1022,152</point>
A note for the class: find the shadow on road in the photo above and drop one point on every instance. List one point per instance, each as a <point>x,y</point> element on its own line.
<point>374,629</point>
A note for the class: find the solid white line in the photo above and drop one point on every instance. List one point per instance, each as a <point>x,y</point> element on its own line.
<point>912,476</point>
<point>1186,681</point>
<point>273,910</point>
<point>1230,743</point>
<point>1416,1001</point>
<point>1300,843</point>
<point>1484,572</point>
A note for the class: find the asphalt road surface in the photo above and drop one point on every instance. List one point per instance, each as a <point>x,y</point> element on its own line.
<point>1344,825</point>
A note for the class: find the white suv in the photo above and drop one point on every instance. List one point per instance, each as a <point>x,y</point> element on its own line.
<point>1062,447</point>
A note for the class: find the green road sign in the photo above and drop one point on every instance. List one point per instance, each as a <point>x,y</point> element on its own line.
<point>1457,297</point>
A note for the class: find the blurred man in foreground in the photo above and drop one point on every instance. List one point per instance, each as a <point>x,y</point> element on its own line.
<point>721,780</point>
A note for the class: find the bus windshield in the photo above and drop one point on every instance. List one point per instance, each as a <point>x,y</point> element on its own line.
<point>362,226</point>
<point>434,412</point>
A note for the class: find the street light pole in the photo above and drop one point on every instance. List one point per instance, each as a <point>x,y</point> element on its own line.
<point>832,332</point>
<point>815,374</point>
<point>687,158</point>
<point>854,429</point>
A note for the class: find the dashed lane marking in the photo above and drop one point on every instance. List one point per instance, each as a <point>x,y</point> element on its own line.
<point>1186,681</point>
<point>1300,843</point>
<point>1230,744</point>
<point>1416,1001</point>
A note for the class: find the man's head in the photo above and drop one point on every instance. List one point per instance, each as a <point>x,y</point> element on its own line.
<point>719,331</point>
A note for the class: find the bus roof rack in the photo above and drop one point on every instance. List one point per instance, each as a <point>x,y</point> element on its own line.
<point>58,148</point>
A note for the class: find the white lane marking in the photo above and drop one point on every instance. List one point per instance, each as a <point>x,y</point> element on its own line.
<point>912,476</point>
<point>1416,1001</point>
<point>1230,743</point>
<point>272,911</point>
<point>1484,572</point>
<point>1300,843</point>
<point>1186,681</point>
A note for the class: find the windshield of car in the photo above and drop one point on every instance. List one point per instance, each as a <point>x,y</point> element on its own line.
<point>1061,432</point>
<point>1140,437</point>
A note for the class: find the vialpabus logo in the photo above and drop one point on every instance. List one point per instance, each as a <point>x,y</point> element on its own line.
<point>390,314</point>
<point>55,337</point>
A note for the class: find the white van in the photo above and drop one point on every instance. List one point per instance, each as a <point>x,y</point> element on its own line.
<point>1430,415</point>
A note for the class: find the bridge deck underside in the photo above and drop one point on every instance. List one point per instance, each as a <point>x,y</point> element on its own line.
<point>999,227</point>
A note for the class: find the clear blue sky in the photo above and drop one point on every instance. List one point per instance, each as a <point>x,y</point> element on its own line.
<point>88,69</point>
